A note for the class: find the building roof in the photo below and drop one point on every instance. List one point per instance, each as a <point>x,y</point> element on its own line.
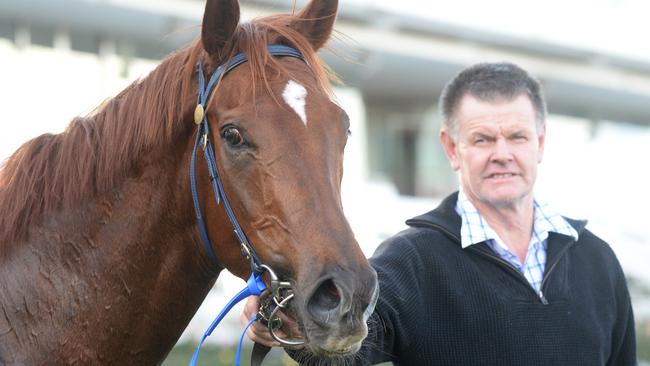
<point>387,56</point>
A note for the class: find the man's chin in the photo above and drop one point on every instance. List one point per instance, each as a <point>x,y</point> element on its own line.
<point>504,198</point>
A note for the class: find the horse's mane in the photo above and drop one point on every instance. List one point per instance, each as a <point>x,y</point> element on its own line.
<point>97,152</point>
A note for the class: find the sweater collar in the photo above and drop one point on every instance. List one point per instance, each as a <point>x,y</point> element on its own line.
<point>447,219</point>
<point>475,229</point>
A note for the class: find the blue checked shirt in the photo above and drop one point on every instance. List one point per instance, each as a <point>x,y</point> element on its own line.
<point>475,230</point>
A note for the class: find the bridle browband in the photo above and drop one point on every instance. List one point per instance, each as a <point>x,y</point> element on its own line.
<point>280,291</point>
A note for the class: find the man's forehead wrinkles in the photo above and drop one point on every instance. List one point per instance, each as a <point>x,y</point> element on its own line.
<point>498,118</point>
<point>498,124</point>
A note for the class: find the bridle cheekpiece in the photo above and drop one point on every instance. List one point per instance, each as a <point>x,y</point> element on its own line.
<point>280,292</point>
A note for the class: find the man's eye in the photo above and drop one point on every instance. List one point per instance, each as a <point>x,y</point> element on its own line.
<point>232,136</point>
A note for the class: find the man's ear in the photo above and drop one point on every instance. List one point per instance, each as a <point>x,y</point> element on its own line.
<point>220,21</point>
<point>541,139</point>
<point>449,145</point>
<point>316,21</point>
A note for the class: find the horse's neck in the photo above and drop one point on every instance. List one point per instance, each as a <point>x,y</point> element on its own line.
<point>115,280</point>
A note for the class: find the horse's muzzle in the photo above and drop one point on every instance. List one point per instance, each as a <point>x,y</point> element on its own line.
<point>337,311</point>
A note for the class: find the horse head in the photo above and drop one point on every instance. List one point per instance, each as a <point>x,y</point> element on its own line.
<point>279,139</point>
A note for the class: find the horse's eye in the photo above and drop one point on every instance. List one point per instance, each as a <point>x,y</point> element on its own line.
<point>232,136</point>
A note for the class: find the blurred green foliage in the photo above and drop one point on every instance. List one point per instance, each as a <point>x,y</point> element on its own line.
<point>643,341</point>
<point>222,356</point>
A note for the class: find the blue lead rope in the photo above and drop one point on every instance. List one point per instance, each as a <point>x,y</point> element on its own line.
<point>254,286</point>
<point>241,340</point>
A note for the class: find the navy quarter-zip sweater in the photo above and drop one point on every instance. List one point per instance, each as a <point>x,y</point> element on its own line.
<point>440,304</point>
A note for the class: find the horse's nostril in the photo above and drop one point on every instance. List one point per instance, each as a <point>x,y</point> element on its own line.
<point>325,301</point>
<point>326,296</point>
<point>332,290</point>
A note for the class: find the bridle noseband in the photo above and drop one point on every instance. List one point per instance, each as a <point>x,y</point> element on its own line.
<point>280,291</point>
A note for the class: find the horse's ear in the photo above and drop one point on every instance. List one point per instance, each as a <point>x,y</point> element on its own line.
<point>220,20</point>
<point>316,21</point>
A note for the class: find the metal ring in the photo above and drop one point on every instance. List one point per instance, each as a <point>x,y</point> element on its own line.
<point>272,274</point>
<point>276,284</point>
<point>284,342</point>
<point>280,304</point>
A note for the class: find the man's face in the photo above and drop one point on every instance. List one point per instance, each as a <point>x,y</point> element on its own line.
<point>496,149</point>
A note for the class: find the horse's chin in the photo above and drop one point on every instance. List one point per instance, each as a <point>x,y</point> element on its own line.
<point>334,343</point>
<point>344,352</point>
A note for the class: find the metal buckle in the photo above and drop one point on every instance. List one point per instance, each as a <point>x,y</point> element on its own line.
<point>245,251</point>
<point>204,142</point>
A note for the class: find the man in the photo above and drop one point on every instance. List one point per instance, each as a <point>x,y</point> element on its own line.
<point>494,276</point>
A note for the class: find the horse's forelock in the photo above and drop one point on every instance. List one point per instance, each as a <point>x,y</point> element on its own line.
<point>253,37</point>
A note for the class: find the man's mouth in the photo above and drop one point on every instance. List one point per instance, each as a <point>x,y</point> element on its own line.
<point>501,175</point>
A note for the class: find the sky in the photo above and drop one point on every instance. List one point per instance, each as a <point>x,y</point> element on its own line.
<point>617,27</point>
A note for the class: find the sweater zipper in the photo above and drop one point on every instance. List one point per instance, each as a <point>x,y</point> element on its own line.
<point>504,263</point>
<point>512,270</point>
<point>551,268</point>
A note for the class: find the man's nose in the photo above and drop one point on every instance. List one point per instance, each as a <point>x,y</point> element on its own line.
<point>502,150</point>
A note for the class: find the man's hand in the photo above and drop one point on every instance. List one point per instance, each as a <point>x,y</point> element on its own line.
<point>257,332</point>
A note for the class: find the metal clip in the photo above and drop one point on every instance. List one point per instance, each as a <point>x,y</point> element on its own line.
<point>264,312</point>
<point>272,319</point>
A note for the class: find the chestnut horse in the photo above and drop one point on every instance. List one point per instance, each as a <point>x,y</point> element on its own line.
<point>101,261</point>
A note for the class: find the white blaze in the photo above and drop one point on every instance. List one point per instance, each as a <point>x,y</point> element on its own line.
<point>294,95</point>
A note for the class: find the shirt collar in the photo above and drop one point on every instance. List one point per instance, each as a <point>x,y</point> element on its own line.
<point>474,229</point>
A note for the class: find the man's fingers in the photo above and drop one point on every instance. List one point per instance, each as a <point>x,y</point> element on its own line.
<point>251,307</point>
<point>257,332</point>
<point>260,334</point>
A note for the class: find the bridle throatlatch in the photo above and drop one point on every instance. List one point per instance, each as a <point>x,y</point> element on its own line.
<point>280,292</point>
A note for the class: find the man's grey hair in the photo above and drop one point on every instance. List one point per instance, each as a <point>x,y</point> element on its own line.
<point>491,82</point>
